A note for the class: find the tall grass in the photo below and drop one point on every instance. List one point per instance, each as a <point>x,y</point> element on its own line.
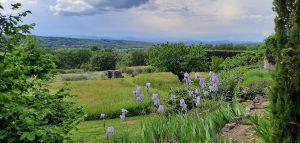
<point>186,128</point>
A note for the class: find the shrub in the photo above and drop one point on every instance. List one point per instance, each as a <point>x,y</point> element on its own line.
<point>254,82</point>
<point>215,64</point>
<point>229,80</point>
<point>244,59</point>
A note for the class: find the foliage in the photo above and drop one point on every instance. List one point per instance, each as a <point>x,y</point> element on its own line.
<point>262,126</point>
<point>271,46</point>
<point>254,82</point>
<point>104,60</point>
<point>222,53</point>
<point>81,76</point>
<point>178,58</point>
<point>134,71</point>
<point>234,47</point>
<point>285,93</point>
<point>215,63</point>
<point>29,112</point>
<point>72,58</point>
<point>230,79</point>
<point>190,127</point>
<point>243,59</point>
<point>139,58</point>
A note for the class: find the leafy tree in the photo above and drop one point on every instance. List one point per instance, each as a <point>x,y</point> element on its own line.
<point>139,58</point>
<point>104,60</point>
<point>215,64</point>
<point>124,59</point>
<point>285,94</point>
<point>270,45</point>
<point>71,58</point>
<point>28,111</point>
<point>178,58</point>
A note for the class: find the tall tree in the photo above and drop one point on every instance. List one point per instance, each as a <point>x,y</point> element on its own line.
<point>178,58</point>
<point>285,94</point>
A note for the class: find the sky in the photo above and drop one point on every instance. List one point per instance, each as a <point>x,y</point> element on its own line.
<point>152,20</point>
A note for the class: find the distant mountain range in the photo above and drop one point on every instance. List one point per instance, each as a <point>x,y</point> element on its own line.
<point>63,42</point>
<point>87,42</point>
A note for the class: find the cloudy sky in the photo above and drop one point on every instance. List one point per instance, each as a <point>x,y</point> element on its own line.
<point>152,20</point>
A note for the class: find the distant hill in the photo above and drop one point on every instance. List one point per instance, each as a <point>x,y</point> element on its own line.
<point>63,42</point>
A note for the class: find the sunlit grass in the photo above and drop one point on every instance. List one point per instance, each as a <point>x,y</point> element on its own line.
<point>110,96</point>
<point>94,132</point>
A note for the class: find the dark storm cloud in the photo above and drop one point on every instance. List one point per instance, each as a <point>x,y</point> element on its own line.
<point>93,7</point>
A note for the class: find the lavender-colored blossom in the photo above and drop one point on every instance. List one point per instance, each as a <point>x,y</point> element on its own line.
<point>102,116</point>
<point>154,96</point>
<point>122,117</point>
<point>198,101</point>
<point>197,76</point>
<point>184,107</point>
<point>172,97</point>
<point>192,94</point>
<point>181,102</point>
<point>138,90</point>
<point>202,82</point>
<point>148,85</point>
<point>187,79</point>
<point>155,99</point>
<point>140,98</point>
<point>160,108</point>
<point>206,93</point>
<point>215,83</point>
<point>124,111</point>
<point>109,131</point>
<point>156,102</point>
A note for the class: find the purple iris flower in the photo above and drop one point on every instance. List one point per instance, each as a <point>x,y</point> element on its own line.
<point>124,111</point>
<point>102,116</point>
<point>155,99</point>
<point>187,79</point>
<point>192,94</point>
<point>160,108</point>
<point>197,76</point>
<point>206,93</point>
<point>181,102</point>
<point>138,90</point>
<point>184,107</point>
<point>215,83</point>
<point>202,82</point>
<point>148,85</point>
<point>109,131</point>
<point>122,117</point>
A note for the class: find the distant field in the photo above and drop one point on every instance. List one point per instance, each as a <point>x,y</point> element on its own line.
<point>110,96</point>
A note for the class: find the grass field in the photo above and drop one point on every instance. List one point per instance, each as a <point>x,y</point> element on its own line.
<point>110,96</point>
<point>94,132</point>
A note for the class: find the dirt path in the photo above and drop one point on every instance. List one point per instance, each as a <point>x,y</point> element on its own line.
<point>240,132</point>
